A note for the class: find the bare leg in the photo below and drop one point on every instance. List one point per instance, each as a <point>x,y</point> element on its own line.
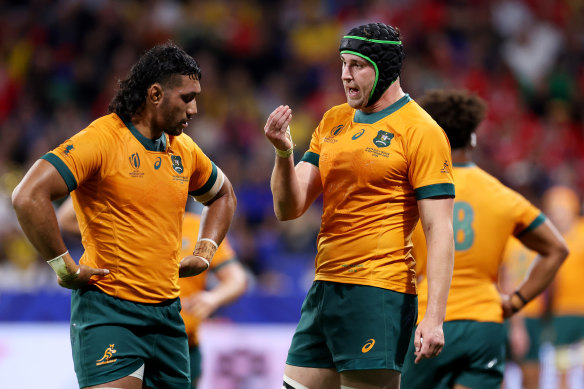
<point>123,383</point>
<point>371,379</point>
<point>313,378</point>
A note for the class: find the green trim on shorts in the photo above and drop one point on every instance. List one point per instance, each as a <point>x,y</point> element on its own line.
<point>568,329</point>
<point>353,327</point>
<point>111,338</point>
<point>473,356</point>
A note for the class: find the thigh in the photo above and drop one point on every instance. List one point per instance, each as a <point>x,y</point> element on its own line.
<point>438,372</point>
<point>111,338</point>
<point>484,355</point>
<point>103,348</point>
<point>195,359</point>
<point>310,377</point>
<point>371,379</point>
<point>367,328</point>
<point>308,347</point>
<point>169,362</point>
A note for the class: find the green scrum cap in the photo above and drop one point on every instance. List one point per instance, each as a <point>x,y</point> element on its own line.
<point>379,44</point>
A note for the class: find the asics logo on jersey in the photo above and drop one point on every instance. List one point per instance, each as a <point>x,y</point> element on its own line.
<point>135,161</point>
<point>383,138</point>
<point>368,346</point>
<point>358,135</point>
<point>107,355</point>
<point>157,163</point>
<point>337,130</point>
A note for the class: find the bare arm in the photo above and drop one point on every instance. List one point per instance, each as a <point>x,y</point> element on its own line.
<point>436,218</point>
<point>32,202</point>
<point>232,284</point>
<point>294,188</point>
<point>67,218</point>
<point>552,250</point>
<point>215,221</point>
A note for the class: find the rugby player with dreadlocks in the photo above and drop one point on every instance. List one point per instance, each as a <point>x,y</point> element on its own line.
<point>130,174</point>
<point>381,163</point>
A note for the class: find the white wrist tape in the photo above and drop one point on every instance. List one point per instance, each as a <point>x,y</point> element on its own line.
<point>205,249</point>
<point>59,266</point>
<point>210,240</point>
<point>286,153</point>
<point>206,261</point>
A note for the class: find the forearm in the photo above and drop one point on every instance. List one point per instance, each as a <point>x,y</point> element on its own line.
<point>541,274</point>
<point>285,189</point>
<point>38,221</point>
<point>216,217</point>
<point>439,272</point>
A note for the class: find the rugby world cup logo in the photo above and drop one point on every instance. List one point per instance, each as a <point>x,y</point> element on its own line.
<point>135,161</point>
<point>383,138</point>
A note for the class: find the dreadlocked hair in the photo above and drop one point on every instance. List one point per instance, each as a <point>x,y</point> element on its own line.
<point>158,65</point>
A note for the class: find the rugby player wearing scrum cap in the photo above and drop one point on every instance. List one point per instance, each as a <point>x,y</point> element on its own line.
<point>381,163</point>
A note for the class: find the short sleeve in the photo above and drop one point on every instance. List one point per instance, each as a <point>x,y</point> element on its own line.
<point>429,162</point>
<point>313,154</point>
<point>205,176</point>
<point>79,157</point>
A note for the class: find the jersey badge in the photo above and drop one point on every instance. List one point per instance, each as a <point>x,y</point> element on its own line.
<point>383,138</point>
<point>177,163</point>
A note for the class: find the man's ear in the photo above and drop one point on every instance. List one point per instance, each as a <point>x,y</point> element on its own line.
<point>154,93</point>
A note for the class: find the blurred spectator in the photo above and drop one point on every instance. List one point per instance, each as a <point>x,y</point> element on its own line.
<point>59,61</point>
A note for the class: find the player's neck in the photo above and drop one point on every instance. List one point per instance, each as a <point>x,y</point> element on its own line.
<point>390,96</point>
<point>462,156</point>
<point>144,124</point>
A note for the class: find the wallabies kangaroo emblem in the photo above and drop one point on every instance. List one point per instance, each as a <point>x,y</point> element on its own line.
<point>109,352</point>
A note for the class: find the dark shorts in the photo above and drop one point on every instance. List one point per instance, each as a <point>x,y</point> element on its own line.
<point>353,327</point>
<point>568,329</point>
<point>111,338</point>
<point>473,356</point>
<point>196,367</point>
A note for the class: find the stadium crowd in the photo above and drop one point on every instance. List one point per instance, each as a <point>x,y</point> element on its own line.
<point>60,62</point>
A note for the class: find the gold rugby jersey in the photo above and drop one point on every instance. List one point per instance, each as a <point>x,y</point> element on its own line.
<point>567,295</point>
<point>486,214</point>
<point>130,198</point>
<point>517,259</point>
<point>193,285</point>
<point>374,168</point>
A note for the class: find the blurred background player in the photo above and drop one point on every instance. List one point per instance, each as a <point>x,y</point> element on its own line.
<point>381,164</point>
<point>197,302</point>
<point>526,328</point>
<point>562,205</point>
<point>486,214</point>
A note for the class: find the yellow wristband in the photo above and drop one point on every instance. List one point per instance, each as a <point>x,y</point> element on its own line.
<point>284,153</point>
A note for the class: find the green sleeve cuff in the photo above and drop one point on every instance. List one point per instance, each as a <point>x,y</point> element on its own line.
<point>311,157</point>
<point>62,169</point>
<point>435,190</point>
<point>209,184</point>
<point>538,221</point>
